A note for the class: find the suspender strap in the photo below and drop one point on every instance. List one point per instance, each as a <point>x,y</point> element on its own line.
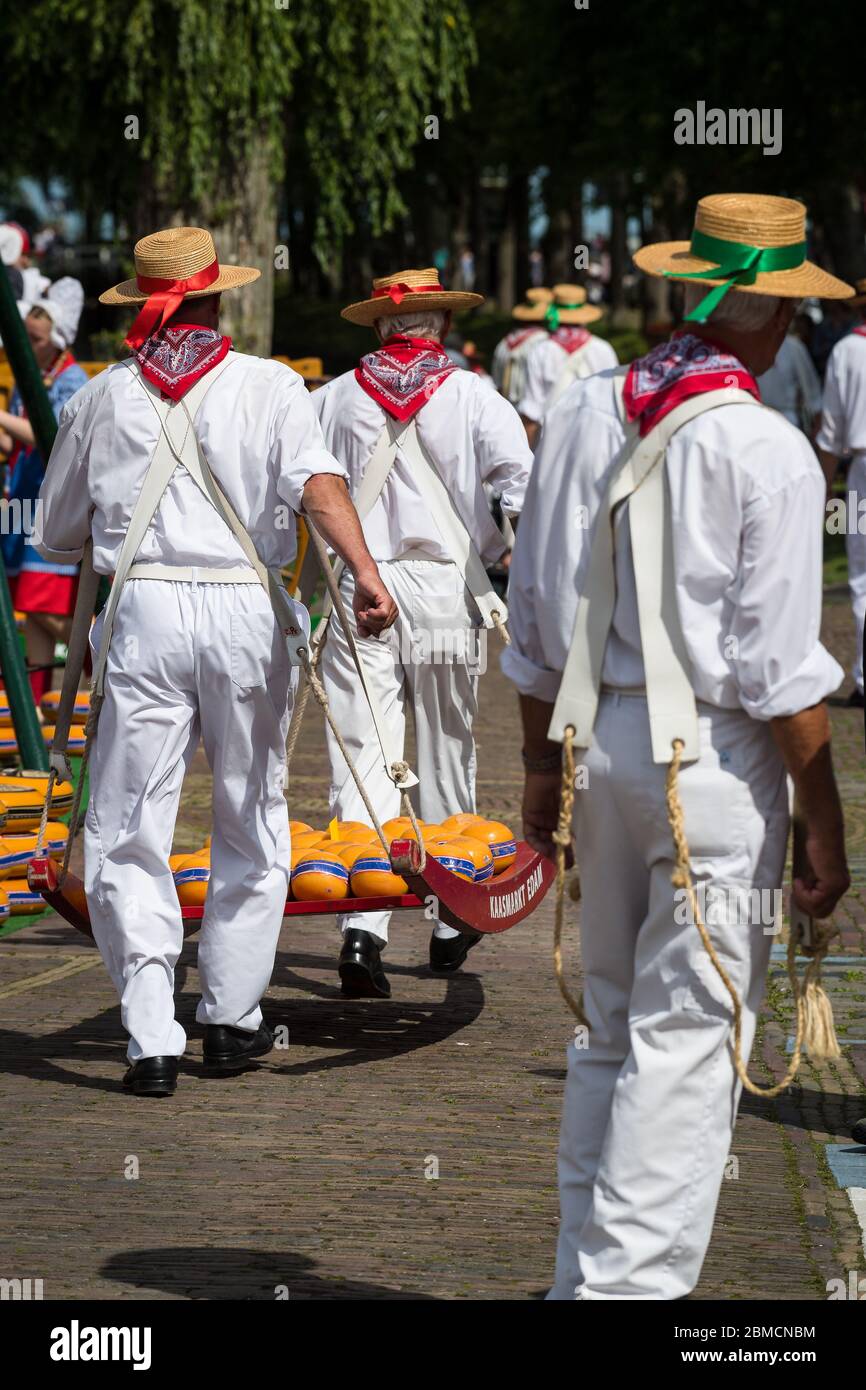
<point>397,436</point>
<point>451,526</point>
<point>576,369</point>
<point>638,475</point>
<point>85,602</point>
<point>166,457</point>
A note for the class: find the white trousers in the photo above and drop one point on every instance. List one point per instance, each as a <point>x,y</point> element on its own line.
<point>428,662</point>
<point>855,545</point>
<point>189,661</point>
<point>650,1102</point>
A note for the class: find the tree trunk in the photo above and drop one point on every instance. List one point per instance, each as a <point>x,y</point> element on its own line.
<point>618,242</point>
<point>844,227</point>
<point>243,214</point>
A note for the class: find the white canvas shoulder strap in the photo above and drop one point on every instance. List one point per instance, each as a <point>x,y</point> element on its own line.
<point>451,526</point>
<point>638,475</point>
<point>577,368</point>
<point>156,479</point>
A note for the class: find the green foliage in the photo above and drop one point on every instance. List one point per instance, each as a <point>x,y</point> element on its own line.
<point>373,72</point>
<point>346,84</point>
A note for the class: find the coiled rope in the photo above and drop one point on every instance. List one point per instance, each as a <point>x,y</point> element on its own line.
<point>814,1029</point>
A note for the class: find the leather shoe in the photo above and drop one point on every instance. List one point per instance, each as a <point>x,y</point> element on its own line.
<point>360,967</point>
<point>447,953</point>
<point>229,1049</point>
<point>858,1132</point>
<point>152,1076</point>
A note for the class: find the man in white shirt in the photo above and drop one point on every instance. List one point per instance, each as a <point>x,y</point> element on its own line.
<point>443,422</point>
<point>196,650</point>
<point>843,433</point>
<point>792,386</point>
<point>723,654</point>
<point>568,353</point>
<point>508,368</point>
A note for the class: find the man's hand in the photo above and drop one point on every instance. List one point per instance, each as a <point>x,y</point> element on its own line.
<point>825,878</point>
<point>541,813</point>
<point>375,609</point>
<point>329,507</point>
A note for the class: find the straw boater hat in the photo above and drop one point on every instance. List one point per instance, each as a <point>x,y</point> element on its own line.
<point>567,306</point>
<point>170,266</point>
<point>860,297</point>
<point>408,292</point>
<point>749,242</point>
<point>537,300</point>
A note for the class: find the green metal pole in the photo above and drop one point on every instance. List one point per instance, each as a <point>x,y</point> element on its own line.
<point>28,378</point>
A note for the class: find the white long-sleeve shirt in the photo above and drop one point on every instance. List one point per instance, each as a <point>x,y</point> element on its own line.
<point>747,504</point>
<point>473,436</point>
<point>260,436</point>
<point>843,421</point>
<point>791,385</point>
<point>544,366</point>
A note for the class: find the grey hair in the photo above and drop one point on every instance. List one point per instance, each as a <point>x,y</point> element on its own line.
<point>426,323</point>
<point>748,312</point>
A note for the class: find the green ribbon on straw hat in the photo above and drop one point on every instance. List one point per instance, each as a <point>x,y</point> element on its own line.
<point>737,264</point>
<point>551,317</point>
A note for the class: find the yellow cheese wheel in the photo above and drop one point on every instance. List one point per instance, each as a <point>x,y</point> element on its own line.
<point>349,853</point>
<point>456,824</point>
<point>480,854</point>
<point>21,898</point>
<point>299,827</point>
<point>373,877</point>
<point>16,851</point>
<point>400,828</point>
<point>4,906</point>
<point>50,703</point>
<point>453,857</point>
<point>192,880</point>
<point>23,796</point>
<point>499,839</point>
<point>319,874</point>
<point>351,832</point>
<point>306,839</point>
<point>75,742</point>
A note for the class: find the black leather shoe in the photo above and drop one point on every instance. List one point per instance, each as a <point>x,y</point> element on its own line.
<point>229,1049</point>
<point>855,699</point>
<point>152,1076</point>
<point>447,953</point>
<point>858,1132</point>
<point>360,967</point>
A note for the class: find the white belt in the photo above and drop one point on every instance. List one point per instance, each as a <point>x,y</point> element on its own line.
<point>195,574</point>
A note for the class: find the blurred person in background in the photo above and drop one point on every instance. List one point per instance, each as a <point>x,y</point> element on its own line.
<point>792,386</point>
<point>843,432</point>
<point>39,588</point>
<point>569,352</point>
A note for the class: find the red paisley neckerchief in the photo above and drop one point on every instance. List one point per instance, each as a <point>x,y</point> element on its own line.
<point>571,338</point>
<point>861,331</point>
<point>179,354</point>
<point>684,366</point>
<point>404,373</point>
<point>518,336</point>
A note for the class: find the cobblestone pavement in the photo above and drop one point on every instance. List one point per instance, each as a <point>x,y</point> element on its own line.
<point>309,1174</point>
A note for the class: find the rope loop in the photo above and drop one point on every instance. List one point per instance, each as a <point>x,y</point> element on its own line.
<point>562,839</point>
<point>810,1001</point>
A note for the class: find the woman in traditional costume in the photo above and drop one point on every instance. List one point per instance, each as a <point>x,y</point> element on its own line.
<point>44,591</point>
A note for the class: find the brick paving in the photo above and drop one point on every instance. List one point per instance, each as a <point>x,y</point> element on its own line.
<point>308,1175</point>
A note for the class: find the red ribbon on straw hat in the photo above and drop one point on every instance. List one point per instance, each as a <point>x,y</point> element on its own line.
<point>164,297</point>
<point>398,292</point>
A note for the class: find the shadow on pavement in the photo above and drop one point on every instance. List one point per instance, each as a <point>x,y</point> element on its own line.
<point>220,1272</point>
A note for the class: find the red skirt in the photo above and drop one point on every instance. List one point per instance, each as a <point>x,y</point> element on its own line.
<point>35,591</point>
